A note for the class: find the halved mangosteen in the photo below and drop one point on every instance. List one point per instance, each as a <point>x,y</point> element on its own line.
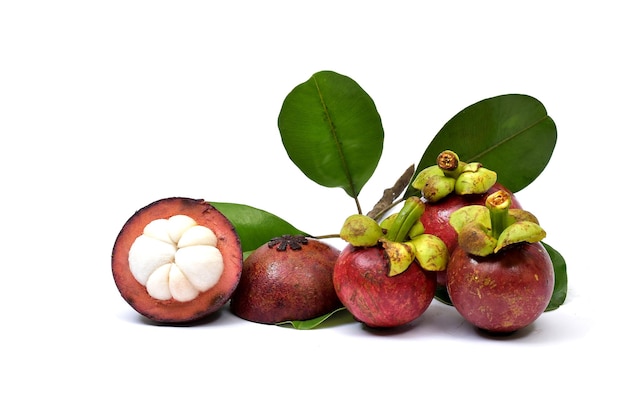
<point>177,260</point>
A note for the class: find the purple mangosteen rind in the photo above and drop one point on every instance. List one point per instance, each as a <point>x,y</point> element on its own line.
<point>500,277</point>
<point>502,292</point>
<point>289,278</point>
<point>372,296</point>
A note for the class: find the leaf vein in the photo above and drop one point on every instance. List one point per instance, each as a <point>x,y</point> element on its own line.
<point>342,158</point>
<point>478,156</point>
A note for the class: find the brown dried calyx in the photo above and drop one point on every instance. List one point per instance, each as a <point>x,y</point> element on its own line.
<point>293,242</point>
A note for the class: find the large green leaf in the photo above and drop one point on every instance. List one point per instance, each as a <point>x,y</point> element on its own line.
<point>332,131</point>
<point>254,226</point>
<point>510,134</point>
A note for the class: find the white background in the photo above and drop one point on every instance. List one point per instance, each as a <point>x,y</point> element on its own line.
<point>107,106</point>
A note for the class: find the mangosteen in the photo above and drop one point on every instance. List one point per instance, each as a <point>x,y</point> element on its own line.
<point>500,277</point>
<point>289,278</point>
<point>177,260</point>
<point>391,281</point>
<point>375,298</point>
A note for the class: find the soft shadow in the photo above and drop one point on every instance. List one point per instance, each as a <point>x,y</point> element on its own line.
<point>558,326</point>
<point>136,318</point>
<point>211,318</point>
<point>391,331</point>
<point>515,335</point>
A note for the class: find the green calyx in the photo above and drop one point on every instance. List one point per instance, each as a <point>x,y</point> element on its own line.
<point>483,230</point>
<point>401,236</point>
<point>399,254</point>
<point>361,230</point>
<point>405,241</point>
<point>430,251</point>
<point>453,175</point>
<point>474,179</point>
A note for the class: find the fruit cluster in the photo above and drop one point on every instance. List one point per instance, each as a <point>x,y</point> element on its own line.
<point>460,236</point>
<point>492,266</point>
<point>180,259</point>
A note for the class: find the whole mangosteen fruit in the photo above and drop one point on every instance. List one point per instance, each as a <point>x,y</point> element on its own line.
<point>391,280</point>
<point>289,278</point>
<point>502,292</point>
<point>177,260</point>
<point>500,276</point>
<point>375,298</point>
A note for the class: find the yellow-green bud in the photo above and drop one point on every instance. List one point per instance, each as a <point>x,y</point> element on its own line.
<point>361,230</point>
<point>522,231</point>
<point>430,251</point>
<point>422,177</point>
<point>437,187</point>
<point>400,255</point>
<point>475,179</point>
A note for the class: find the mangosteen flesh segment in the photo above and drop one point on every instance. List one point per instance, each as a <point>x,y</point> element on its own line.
<point>175,258</point>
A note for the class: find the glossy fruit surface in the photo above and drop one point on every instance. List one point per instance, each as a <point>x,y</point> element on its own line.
<point>290,278</point>
<point>177,260</point>
<point>376,299</point>
<point>502,292</point>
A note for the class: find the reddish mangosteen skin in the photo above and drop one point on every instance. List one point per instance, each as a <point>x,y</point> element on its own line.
<point>436,218</point>
<point>374,298</point>
<point>278,286</point>
<point>502,292</point>
<point>172,311</point>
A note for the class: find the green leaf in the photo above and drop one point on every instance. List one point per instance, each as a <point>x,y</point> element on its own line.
<point>560,278</point>
<point>332,131</point>
<point>441,294</point>
<point>254,226</point>
<point>315,322</point>
<point>510,134</point>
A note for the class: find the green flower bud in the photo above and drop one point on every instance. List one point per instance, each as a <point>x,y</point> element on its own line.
<point>388,221</point>
<point>522,231</point>
<point>361,230</point>
<point>422,177</point>
<point>437,187</point>
<point>416,230</point>
<point>474,238</point>
<point>475,179</point>
<point>430,251</point>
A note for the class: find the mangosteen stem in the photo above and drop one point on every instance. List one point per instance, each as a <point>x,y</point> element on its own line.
<point>449,162</point>
<point>358,206</point>
<point>498,204</point>
<point>328,236</point>
<point>405,220</point>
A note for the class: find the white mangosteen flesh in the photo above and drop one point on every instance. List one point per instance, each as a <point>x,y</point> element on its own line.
<point>176,259</point>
